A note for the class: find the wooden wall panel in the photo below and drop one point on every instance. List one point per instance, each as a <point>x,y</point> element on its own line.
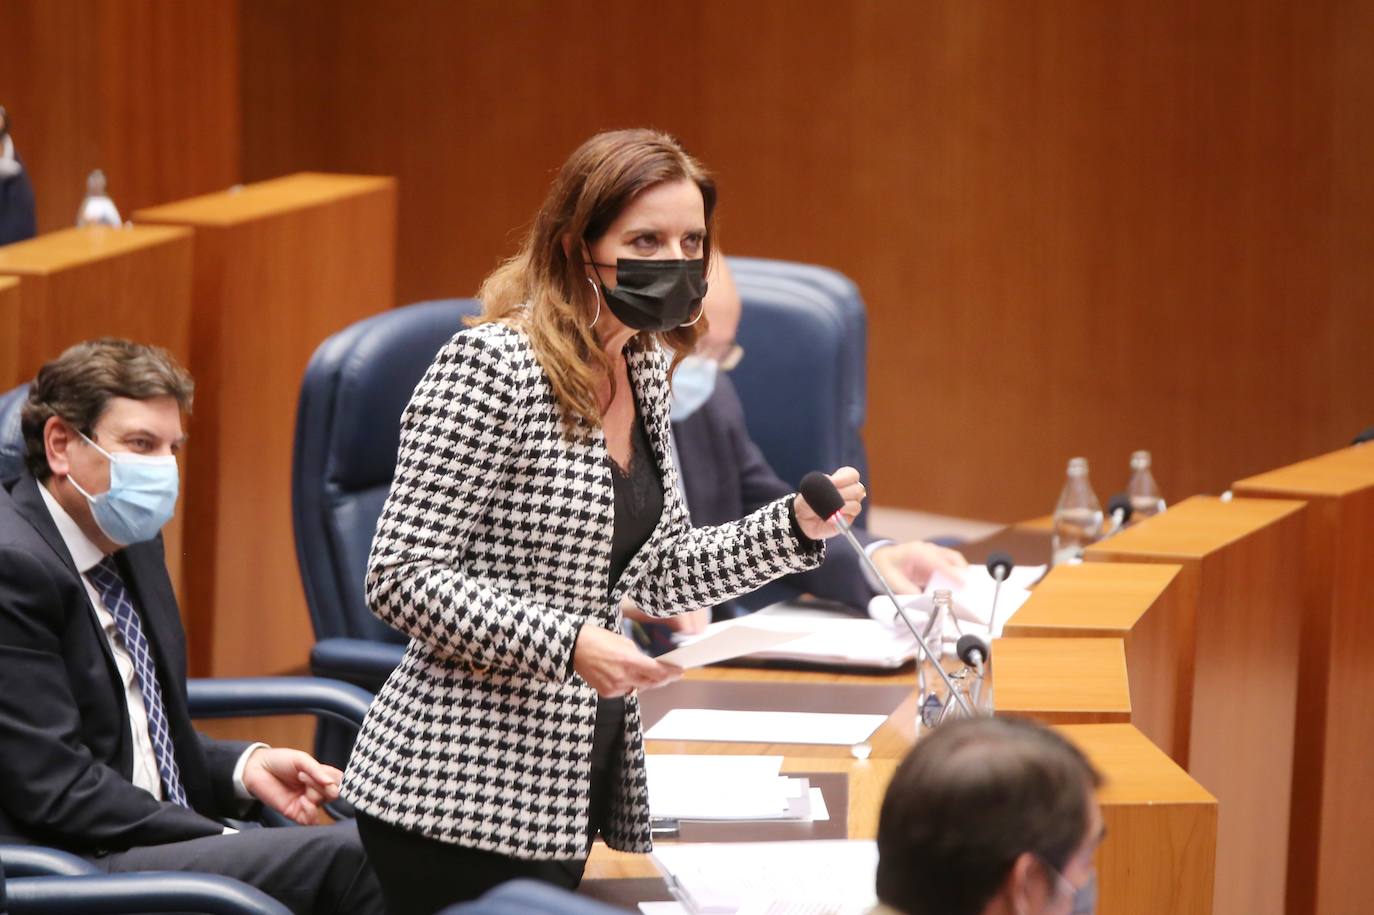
<point>146,90</point>
<point>1110,225</point>
<point>9,332</point>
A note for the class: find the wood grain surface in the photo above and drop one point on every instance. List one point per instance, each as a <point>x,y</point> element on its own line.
<point>1335,733</point>
<point>278,267</point>
<point>1241,585</point>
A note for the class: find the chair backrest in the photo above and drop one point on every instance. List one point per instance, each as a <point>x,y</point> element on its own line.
<point>347,434</point>
<point>804,378</point>
<point>12,448</point>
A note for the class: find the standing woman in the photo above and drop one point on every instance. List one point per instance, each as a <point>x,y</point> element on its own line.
<point>534,489</point>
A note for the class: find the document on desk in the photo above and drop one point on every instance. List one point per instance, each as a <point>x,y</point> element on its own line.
<point>692,787</point>
<point>763,878</point>
<point>726,642</point>
<point>764,727</point>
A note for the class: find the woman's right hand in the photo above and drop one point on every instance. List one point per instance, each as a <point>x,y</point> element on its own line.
<point>613,665</point>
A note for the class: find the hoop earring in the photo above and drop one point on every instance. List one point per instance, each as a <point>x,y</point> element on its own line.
<point>701,310</point>
<point>596,317</point>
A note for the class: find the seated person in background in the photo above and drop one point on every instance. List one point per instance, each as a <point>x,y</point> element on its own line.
<point>17,220</point>
<point>98,755</point>
<point>990,816</point>
<point>725,476</point>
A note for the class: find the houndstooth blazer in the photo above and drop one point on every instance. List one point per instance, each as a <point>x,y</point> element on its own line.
<point>493,549</point>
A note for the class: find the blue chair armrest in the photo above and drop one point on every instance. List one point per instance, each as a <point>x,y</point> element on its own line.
<point>362,661</point>
<point>232,697</point>
<point>41,861</point>
<point>151,891</point>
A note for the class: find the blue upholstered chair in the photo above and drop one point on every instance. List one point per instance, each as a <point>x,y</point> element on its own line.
<point>530,897</point>
<point>347,434</point>
<point>801,323</point>
<point>42,881</point>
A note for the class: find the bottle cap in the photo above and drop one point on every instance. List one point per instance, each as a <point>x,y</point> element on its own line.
<point>1140,460</point>
<point>1078,466</point>
<point>95,183</point>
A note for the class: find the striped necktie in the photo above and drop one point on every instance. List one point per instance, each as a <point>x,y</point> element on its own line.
<point>105,576</point>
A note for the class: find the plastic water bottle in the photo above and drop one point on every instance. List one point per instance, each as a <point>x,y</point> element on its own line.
<point>1077,517</point>
<point>1142,490</point>
<point>97,209</point>
<point>930,685</point>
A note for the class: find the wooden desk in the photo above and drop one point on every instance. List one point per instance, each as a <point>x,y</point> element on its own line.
<point>1062,681</point>
<point>1160,851</point>
<point>1139,604</point>
<point>79,284</point>
<point>1335,731</point>
<point>1242,590</point>
<point>279,266</point>
<point>9,332</point>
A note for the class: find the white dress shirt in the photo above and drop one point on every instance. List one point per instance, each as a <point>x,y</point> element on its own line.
<point>86,555</point>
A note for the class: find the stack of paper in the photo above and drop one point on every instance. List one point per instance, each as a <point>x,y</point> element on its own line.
<point>764,727</point>
<point>729,788</point>
<point>751,878</point>
<point>821,637</point>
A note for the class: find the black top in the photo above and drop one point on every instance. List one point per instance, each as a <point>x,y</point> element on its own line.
<point>638,501</point>
<point>638,506</point>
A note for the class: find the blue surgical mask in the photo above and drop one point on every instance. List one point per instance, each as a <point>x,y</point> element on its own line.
<point>141,498</point>
<point>694,380</point>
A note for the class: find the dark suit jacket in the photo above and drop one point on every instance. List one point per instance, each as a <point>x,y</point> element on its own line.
<point>726,477</point>
<point>17,218</point>
<point>66,755</point>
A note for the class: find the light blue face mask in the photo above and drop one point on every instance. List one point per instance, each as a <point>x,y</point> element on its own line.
<point>141,498</point>
<point>694,380</point>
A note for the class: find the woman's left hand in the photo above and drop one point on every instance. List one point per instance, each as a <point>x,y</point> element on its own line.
<point>851,488</point>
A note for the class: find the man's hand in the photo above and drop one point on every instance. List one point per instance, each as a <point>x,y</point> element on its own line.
<point>291,782</point>
<point>613,665</point>
<point>908,566</point>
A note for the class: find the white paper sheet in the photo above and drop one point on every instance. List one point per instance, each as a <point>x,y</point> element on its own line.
<point>726,642</point>
<point>764,727</point>
<point>718,787</point>
<point>827,638</point>
<point>743,877</point>
<point>971,602</point>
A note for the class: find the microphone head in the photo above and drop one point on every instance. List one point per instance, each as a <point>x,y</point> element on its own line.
<point>1000,561</point>
<point>1120,503</point>
<point>1365,436</point>
<point>821,494</point>
<point>967,645</point>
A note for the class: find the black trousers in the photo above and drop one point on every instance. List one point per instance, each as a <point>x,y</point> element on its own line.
<point>420,875</point>
<point>312,870</point>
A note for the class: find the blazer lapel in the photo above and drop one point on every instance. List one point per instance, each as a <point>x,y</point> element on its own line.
<point>35,511</point>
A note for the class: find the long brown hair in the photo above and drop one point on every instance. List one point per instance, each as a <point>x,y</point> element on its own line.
<point>592,188</point>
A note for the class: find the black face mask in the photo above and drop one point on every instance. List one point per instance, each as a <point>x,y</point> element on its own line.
<point>655,295</point>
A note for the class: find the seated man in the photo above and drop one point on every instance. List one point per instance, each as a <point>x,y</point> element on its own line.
<point>990,816</point>
<point>98,755</point>
<point>725,475</point>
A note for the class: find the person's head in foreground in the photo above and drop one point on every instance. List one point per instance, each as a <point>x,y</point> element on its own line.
<point>990,816</point>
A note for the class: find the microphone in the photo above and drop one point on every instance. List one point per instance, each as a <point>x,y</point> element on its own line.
<point>1119,507</point>
<point>1365,436</point>
<point>999,566</point>
<point>825,500</point>
<point>972,651</point>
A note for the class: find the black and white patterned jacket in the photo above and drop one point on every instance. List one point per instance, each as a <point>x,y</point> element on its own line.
<point>492,550</point>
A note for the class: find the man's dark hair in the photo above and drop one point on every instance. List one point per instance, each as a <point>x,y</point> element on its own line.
<point>967,802</point>
<point>77,385</point>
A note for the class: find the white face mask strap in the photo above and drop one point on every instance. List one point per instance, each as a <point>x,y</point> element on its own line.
<point>701,310</point>
<point>109,457</point>
<point>597,292</point>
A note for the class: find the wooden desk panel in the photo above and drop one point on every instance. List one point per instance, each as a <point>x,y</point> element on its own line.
<point>1139,604</point>
<point>1335,733</point>
<point>1160,851</point>
<point>9,333</point>
<point>78,284</point>
<point>1062,681</point>
<point>279,266</point>
<point>1242,588</point>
